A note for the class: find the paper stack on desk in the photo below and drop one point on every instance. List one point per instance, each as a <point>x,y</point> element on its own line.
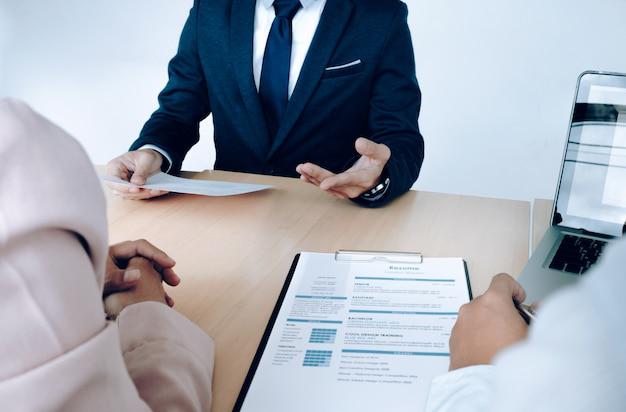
<point>169,183</point>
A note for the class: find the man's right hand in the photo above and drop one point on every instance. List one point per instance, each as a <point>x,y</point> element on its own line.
<point>489,324</point>
<point>135,167</point>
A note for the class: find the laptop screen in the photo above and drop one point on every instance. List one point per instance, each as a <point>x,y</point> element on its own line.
<point>592,189</point>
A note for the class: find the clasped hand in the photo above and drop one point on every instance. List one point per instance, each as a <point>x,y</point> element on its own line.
<point>135,273</point>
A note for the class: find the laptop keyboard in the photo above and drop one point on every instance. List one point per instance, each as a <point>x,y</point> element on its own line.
<point>576,254</point>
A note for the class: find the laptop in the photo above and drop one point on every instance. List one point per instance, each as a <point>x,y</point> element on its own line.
<point>589,210</point>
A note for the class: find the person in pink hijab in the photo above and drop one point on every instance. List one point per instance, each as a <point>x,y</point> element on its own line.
<point>57,350</point>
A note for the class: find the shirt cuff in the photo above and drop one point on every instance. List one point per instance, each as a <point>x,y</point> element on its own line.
<point>162,152</point>
<point>467,389</point>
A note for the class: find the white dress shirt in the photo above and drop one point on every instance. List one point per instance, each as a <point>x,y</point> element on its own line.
<point>574,359</point>
<point>304,26</point>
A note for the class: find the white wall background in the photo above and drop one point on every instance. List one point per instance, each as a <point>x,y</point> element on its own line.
<point>497,77</point>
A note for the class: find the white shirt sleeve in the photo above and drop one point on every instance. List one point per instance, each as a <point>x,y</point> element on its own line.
<point>468,389</point>
<point>574,359</point>
<point>162,152</point>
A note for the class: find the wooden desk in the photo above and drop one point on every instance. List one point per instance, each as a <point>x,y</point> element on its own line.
<point>234,253</point>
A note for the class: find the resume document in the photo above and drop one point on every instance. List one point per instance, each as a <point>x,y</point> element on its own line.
<point>358,336</point>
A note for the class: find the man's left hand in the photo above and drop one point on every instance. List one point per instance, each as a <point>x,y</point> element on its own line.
<point>362,176</point>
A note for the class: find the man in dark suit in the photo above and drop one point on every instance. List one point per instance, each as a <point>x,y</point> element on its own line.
<point>294,88</point>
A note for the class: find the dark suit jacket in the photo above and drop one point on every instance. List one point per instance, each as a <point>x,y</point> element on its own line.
<point>328,110</point>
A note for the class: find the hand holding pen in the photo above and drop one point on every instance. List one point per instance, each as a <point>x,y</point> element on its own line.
<point>526,312</point>
<point>488,324</point>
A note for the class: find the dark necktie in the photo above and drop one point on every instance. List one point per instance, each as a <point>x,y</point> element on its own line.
<point>274,84</point>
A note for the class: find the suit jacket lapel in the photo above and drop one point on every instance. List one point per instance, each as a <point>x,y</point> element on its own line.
<point>241,43</point>
<point>331,26</point>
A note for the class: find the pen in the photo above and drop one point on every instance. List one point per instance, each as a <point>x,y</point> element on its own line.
<point>527,313</point>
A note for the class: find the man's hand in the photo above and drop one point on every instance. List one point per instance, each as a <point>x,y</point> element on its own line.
<point>135,167</point>
<point>121,277</point>
<point>488,324</point>
<point>362,176</point>
<point>149,288</point>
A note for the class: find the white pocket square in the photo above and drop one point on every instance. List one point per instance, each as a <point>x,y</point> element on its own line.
<point>344,66</point>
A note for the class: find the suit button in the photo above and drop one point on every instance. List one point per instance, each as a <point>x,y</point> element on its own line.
<point>271,171</point>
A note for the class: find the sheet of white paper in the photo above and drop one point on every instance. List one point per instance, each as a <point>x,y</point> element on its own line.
<point>365,337</point>
<point>162,181</point>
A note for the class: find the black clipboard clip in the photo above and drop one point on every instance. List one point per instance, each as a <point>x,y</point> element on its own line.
<point>369,256</point>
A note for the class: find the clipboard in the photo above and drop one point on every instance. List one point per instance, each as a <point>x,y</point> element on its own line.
<point>391,257</point>
<point>340,256</point>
